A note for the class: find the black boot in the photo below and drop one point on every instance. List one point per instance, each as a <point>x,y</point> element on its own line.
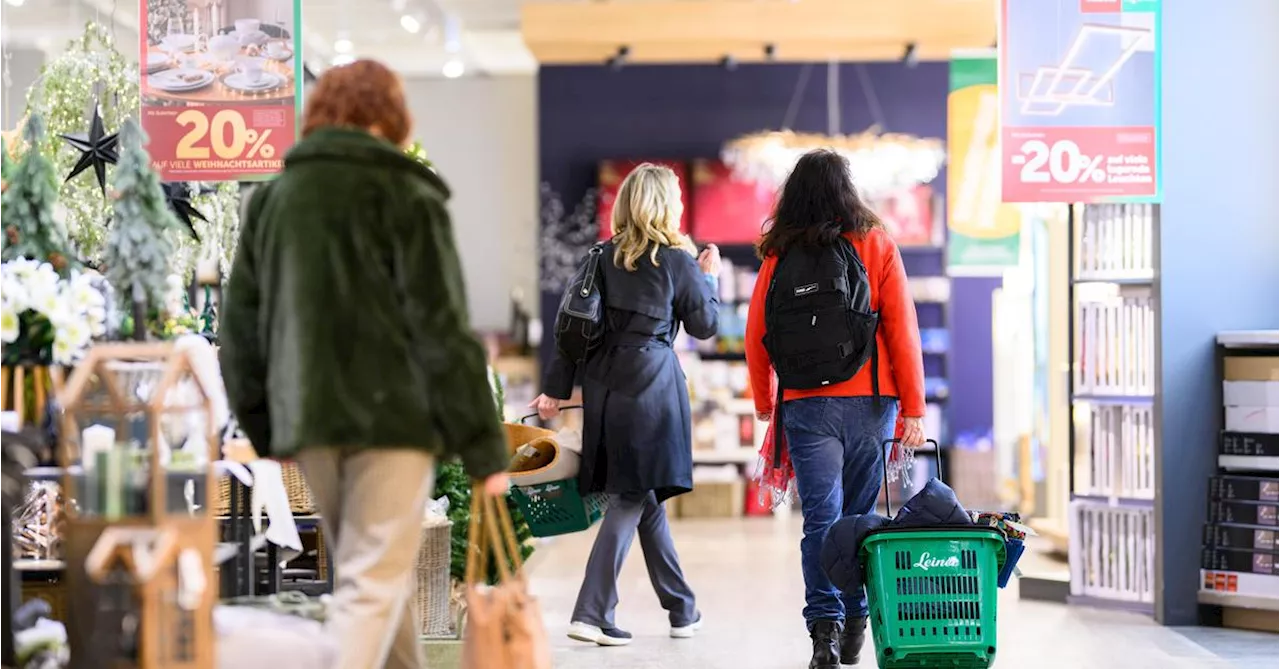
<point>826,644</point>
<point>855,631</point>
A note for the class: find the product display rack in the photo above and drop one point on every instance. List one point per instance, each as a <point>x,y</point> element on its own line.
<point>1112,387</point>
<point>1239,558</point>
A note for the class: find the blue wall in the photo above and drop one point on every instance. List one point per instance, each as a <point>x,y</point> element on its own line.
<point>1218,250</point>
<point>588,114</point>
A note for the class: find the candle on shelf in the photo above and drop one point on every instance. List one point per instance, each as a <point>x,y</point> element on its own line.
<point>208,272</point>
<point>95,439</point>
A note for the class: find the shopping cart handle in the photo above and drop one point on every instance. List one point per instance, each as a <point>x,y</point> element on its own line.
<point>534,414</point>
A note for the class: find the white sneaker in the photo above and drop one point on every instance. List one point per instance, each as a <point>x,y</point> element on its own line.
<point>599,636</point>
<point>687,631</point>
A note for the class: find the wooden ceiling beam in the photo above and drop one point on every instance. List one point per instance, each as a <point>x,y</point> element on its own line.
<point>657,53</point>
<point>697,30</point>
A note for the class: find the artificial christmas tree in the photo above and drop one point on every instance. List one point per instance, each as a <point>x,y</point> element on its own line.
<point>31,190</point>
<point>140,243</point>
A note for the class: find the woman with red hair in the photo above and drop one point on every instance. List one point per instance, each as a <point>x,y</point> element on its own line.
<point>346,345</point>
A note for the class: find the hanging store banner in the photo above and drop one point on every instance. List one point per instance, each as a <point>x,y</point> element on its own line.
<point>1080,100</point>
<point>221,86</point>
<point>983,238</point>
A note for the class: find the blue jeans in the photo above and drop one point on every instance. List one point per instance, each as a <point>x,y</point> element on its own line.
<point>836,447</point>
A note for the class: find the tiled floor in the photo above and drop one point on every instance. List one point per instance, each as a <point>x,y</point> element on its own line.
<point>747,578</point>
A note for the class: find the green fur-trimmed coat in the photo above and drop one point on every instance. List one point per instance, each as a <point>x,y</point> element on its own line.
<point>345,319</point>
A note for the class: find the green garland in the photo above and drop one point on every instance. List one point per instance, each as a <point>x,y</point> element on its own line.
<point>90,71</point>
<point>453,482</point>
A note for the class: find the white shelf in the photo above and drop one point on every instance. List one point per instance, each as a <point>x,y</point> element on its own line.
<point>1249,338</point>
<point>723,456</point>
<point>1258,463</point>
<point>1238,600</point>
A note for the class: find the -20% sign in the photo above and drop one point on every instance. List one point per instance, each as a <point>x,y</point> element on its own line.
<point>227,133</point>
<point>1061,163</point>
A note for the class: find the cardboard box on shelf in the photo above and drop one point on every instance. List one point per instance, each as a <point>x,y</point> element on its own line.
<point>1249,444</point>
<point>1245,488</point>
<point>1253,419</point>
<point>1243,513</point>
<point>1231,559</point>
<point>1221,535</point>
<point>1251,368</point>
<point>1250,393</point>
<point>712,499</point>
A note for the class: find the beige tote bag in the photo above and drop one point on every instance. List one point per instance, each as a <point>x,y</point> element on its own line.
<point>504,627</point>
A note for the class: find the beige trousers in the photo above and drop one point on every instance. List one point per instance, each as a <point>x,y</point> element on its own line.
<point>371,504</point>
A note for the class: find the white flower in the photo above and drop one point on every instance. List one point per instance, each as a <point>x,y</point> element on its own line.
<point>14,294</point>
<point>64,353</point>
<point>8,324</point>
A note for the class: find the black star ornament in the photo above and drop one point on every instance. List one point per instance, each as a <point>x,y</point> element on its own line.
<point>179,198</point>
<point>97,150</point>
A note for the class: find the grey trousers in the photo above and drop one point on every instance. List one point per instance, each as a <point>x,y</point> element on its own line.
<point>627,515</point>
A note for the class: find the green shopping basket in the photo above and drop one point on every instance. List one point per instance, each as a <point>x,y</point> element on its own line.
<point>558,507</point>
<point>932,593</point>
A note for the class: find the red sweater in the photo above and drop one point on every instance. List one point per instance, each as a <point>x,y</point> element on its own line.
<point>897,338</point>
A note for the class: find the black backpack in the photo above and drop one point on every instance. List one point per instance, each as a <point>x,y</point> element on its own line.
<point>580,318</point>
<point>820,328</point>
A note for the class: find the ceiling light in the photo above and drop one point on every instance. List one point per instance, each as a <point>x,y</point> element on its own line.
<point>408,22</point>
<point>342,59</point>
<point>910,56</point>
<point>452,34</point>
<point>343,45</point>
<point>453,68</point>
<point>16,3</point>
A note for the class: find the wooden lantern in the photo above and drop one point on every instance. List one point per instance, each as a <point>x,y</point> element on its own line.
<point>139,536</point>
<point>46,382</point>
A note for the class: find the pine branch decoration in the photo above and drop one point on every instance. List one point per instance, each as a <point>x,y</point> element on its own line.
<point>140,244</point>
<point>32,230</point>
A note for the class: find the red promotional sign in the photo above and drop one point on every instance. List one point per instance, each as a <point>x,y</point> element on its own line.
<point>612,172</point>
<point>727,210</point>
<point>221,87</point>
<point>1080,100</point>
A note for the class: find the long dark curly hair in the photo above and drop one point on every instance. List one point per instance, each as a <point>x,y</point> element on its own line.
<point>817,204</point>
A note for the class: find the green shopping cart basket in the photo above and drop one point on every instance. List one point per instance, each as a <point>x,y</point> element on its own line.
<point>558,507</point>
<point>932,593</point>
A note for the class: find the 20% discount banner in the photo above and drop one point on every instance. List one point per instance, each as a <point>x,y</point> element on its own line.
<point>1080,162</point>
<point>219,143</point>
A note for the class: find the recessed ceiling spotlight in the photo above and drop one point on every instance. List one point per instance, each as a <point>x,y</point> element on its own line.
<point>343,45</point>
<point>453,68</point>
<point>410,23</point>
<point>342,59</point>
<point>910,57</point>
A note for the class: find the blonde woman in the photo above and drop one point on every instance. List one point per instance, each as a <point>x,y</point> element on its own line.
<point>636,436</point>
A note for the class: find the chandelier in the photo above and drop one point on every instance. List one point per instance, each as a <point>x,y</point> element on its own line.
<point>881,163</point>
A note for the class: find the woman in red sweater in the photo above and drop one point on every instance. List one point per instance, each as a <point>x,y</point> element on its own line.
<point>835,432</point>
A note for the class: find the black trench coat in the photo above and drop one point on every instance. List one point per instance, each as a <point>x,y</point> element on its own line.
<point>637,432</point>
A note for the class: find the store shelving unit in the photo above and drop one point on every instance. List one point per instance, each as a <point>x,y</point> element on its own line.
<point>1239,560</point>
<point>1112,388</point>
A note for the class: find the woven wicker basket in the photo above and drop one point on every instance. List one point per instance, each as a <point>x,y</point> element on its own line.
<point>518,435</point>
<point>434,585</point>
<point>295,486</point>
